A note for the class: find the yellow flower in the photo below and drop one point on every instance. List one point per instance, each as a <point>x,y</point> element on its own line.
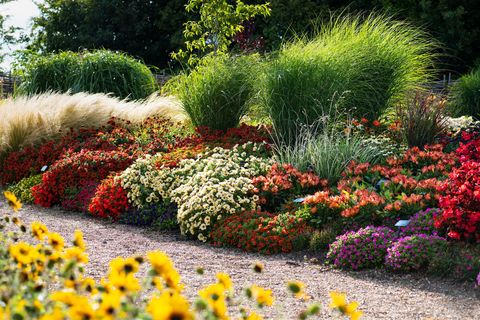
<point>261,295</point>
<point>160,262</point>
<point>56,241</point>
<point>12,201</point>
<point>23,253</point>
<point>77,254</point>
<point>254,316</point>
<point>258,267</point>
<point>121,265</point>
<point>224,279</point>
<point>56,314</point>
<point>78,240</point>
<point>297,288</point>
<point>124,282</point>
<point>88,284</point>
<point>169,305</point>
<point>39,230</point>
<point>68,298</point>
<point>110,307</point>
<point>81,311</point>
<point>339,302</point>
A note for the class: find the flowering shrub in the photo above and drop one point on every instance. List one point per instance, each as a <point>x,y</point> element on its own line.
<point>281,183</point>
<point>110,200</point>
<point>23,189</point>
<point>421,223</point>
<point>74,171</point>
<point>214,185</point>
<point>262,232</point>
<point>365,248</point>
<point>399,188</point>
<point>460,203</point>
<point>413,252</point>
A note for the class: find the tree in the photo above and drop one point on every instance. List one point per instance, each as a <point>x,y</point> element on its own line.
<point>219,22</point>
<point>146,29</point>
<point>7,34</point>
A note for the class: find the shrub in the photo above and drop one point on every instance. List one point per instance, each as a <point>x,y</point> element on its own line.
<point>96,71</point>
<point>422,118</point>
<point>422,223</point>
<point>73,172</point>
<point>466,95</point>
<point>460,202</point>
<point>283,182</point>
<point>321,239</point>
<point>262,232</point>
<point>217,93</point>
<point>459,260</point>
<point>365,248</point>
<point>110,200</point>
<point>77,198</point>
<point>23,189</point>
<point>413,252</point>
<point>363,65</point>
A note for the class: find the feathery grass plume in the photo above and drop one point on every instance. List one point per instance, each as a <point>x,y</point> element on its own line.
<point>217,93</point>
<point>30,120</point>
<point>99,71</point>
<point>371,62</point>
<point>465,95</point>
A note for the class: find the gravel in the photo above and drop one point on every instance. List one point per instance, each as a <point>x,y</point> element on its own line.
<point>381,295</point>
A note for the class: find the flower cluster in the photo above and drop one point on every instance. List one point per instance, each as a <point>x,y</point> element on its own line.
<point>413,252</point>
<point>110,200</point>
<point>216,184</point>
<point>397,189</point>
<point>262,232</point>
<point>23,189</point>
<point>73,172</point>
<point>460,203</point>
<point>78,199</point>
<point>360,249</point>
<point>422,223</point>
<point>283,182</point>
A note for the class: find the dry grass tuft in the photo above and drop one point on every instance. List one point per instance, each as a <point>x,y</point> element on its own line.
<point>30,120</point>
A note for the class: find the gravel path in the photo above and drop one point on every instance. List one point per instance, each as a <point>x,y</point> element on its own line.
<point>381,295</point>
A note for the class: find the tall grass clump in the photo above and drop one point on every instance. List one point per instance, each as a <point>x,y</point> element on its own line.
<point>465,95</point>
<point>326,150</point>
<point>370,62</point>
<point>217,92</point>
<point>27,121</point>
<point>100,71</point>
<point>423,118</point>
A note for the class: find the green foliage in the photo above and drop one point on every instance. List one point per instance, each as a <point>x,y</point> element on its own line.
<point>23,189</point>
<point>217,92</point>
<point>7,35</point>
<point>466,95</point>
<point>422,118</point>
<point>364,65</point>
<point>326,151</point>
<point>219,22</point>
<point>322,238</point>
<point>97,71</point>
<point>149,30</point>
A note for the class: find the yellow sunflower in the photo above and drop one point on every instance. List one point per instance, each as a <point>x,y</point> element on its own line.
<point>12,201</point>
<point>339,302</point>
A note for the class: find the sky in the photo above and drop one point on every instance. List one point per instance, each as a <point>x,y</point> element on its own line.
<point>20,13</point>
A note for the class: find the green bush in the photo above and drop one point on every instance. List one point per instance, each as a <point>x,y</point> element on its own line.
<point>466,95</point>
<point>217,93</point>
<point>363,65</point>
<point>23,189</point>
<point>97,71</point>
